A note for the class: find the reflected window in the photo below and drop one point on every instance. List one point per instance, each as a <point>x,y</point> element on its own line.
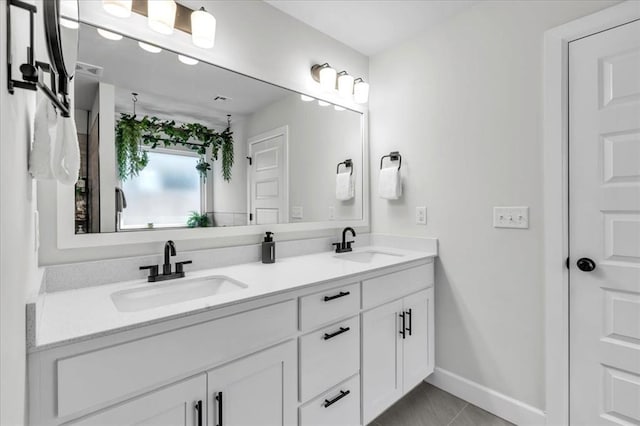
<point>165,193</point>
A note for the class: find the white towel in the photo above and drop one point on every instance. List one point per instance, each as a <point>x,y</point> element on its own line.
<point>44,139</point>
<point>345,188</point>
<point>66,152</point>
<point>390,183</point>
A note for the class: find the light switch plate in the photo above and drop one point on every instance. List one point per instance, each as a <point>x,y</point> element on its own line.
<point>421,215</point>
<point>296,212</point>
<point>511,217</point>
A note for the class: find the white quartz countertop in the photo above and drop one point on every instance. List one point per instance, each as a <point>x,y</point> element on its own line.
<point>80,314</point>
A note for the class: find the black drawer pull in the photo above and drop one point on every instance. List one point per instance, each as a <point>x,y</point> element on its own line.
<point>403,328</point>
<point>341,294</point>
<point>198,408</point>
<point>409,329</point>
<point>336,399</point>
<point>219,401</point>
<point>328,336</point>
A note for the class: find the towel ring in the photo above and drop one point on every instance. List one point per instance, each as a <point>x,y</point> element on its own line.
<point>393,156</point>
<point>347,163</point>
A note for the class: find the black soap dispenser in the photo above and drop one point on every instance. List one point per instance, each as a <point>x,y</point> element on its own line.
<point>268,249</point>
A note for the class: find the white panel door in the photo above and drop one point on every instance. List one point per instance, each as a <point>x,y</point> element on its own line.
<point>174,405</point>
<point>260,389</point>
<point>418,343</point>
<point>268,178</point>
<point>381,359</point>
<point>604,152</point>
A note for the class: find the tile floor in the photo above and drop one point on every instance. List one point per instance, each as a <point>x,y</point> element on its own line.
<point>427,405</point>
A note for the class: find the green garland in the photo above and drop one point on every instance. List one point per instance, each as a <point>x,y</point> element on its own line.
<point>152,131</point>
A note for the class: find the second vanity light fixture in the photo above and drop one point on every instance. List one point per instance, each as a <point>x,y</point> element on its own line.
<point>347,86</point>
<point>165,15</point>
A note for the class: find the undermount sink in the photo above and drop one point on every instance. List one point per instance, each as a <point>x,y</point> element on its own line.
<point>174,291</point>
<point>367,256</point>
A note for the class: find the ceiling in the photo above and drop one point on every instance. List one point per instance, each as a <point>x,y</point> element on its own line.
<point>371,26</point>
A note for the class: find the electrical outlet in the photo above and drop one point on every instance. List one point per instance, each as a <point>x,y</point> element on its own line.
<point>332,213</point>
<point>421,215</point>
<point>296,212</point>
<point>511,217</point>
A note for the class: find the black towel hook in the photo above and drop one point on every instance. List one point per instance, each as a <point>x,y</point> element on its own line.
<point>347,163</point>
<point>393,156</point>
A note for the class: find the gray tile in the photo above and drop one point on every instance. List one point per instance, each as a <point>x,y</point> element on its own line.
<point>474,416</point>
<point>426,405</point>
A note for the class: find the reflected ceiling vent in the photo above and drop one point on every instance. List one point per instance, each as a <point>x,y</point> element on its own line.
<point>221,98</point>
<point>89,69</point>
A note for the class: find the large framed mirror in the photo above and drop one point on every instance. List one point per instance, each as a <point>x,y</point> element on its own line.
<point>169,144</point>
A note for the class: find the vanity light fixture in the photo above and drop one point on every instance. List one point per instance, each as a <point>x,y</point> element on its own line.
<point>109,35</point>
<point>306,98</point>
<point>203,28</point>
<point>361,91</point>
<point>345,84</point>
<point>323,103</point>
<point>187,60</point>
<point>161,15</point>
<point>149,47</point>
<point>119,8</point>
<point>325,75</point>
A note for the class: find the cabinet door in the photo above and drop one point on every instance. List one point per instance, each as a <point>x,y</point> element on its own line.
<point>173,405</point>
<point>381,359</point>
<point>260,389</point>
<point>418,343</point>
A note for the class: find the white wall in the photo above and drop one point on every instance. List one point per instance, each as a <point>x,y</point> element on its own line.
<point>319,139</point>
<point>252,38</point>
<point>18,270</point>
<point>463,105</point>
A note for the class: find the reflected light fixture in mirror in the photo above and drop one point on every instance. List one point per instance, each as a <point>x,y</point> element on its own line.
<point>338,108</point>
<point>361,91</point>
<point>161,15</point>
<point>149,47</point>
<point>187,60</point>
<point>203,29</point>
<point>109,35</point>
<point>323,103</point>
<point>119,8</point>
<point>306,98</point>
<point>345,84</point>
<point>69,9</point>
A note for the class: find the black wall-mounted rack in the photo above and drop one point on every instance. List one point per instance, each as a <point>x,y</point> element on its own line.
<point>393,156</point>
<point>348,163</point>
<point>33,71</point>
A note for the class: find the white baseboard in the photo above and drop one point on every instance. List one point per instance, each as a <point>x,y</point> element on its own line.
<point>488,399</point>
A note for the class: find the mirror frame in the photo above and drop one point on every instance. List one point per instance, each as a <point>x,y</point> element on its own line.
<point>65,196</point>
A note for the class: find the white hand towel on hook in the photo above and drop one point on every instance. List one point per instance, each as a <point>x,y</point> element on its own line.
<point>345,188</point>
<point>44,139</point>
<point>390,183</point>
<point>66,152</point>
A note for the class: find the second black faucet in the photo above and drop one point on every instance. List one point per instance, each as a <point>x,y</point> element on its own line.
<point>345,246</point>
<point>167,274</point>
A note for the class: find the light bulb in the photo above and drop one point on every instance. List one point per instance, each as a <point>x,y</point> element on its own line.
<point>306,98</point>
<point>323,103</point>
<point>361,92</point>
<point>203,29</point>
<point>345,85</point>
<point>328,78</point>
<point>119,8</point>
<point>109,35</point>
<point>187,60</point>
<point>149,47</point>
<point>161,15</point>
<point>338,108</point>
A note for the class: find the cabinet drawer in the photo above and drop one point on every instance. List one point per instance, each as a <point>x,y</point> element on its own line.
<point>95,379</point>
<point>379,290</point>
<point>327,409</point>
<point>321,308</point>
<point>328,356</point>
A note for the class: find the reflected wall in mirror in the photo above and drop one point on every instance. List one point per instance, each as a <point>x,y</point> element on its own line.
<point>165,144</point>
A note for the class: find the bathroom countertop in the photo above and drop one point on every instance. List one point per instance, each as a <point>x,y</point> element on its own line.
<point>71,316</point>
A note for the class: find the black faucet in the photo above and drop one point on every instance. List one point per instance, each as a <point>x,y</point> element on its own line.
<point>169,250</point>
<point>345,246</point>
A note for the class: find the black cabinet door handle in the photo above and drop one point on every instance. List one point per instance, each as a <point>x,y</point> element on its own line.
<point>328,336</point>
<point>219,401</point>
<point>341,294</point>
<point>198,407</point>
<point>328,402</point>
<point>408,313</point>
<point>403,328</point>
